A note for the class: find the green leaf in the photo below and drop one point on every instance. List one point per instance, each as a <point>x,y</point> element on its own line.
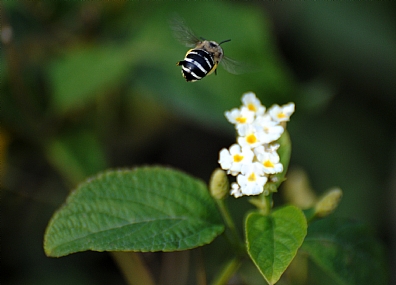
<point>273,240</point>
<point>144,209</point>
<point>77,154</point>
<point>346,250</point>
<point>82,74</point>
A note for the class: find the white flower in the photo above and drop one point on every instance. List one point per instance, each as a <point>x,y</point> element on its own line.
<point>273,147</point>
<point>272,129</point>
<point>236,190</point>
<point>269,160</point>
<point>233,159</point>
<point>251,136</point>
<point>252,179</point>
<point>253,103</point>
<point>240,116</point>
<point>254,158</point>
<point>281,114</point>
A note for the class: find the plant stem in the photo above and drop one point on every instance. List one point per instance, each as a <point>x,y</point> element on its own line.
<point>267,202</point>
<point>133,268</point>
<point>263,203</point>
<point>233,236</point>
<point>236,242</point>
<point>227,272</point>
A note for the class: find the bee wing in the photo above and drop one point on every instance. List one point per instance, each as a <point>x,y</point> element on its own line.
<point>183,33</point>
<point>233,66</point>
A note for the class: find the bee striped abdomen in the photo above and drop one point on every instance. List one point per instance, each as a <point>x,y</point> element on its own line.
<point>197,64</point>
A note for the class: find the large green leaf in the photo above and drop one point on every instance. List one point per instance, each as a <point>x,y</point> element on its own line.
<point>347,250</point>
<point>144,209</point>
<point>273,240</point>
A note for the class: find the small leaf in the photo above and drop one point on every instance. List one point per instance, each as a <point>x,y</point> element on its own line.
<point>144,209</point>
<point>346,250</point>
<point>273,240</point>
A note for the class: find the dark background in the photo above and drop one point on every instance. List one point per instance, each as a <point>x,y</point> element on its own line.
<point>87,86</point>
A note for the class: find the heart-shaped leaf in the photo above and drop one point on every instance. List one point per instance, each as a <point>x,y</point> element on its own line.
<point>144,209</point>
<point>273,240</point>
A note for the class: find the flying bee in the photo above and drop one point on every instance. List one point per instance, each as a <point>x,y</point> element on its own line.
<point>204,56</point>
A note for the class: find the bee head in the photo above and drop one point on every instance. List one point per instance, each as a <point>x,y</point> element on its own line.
<point>213,44</point>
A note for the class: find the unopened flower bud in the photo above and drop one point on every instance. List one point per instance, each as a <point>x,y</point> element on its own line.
<point>328,202</point>
<point>219,185</point>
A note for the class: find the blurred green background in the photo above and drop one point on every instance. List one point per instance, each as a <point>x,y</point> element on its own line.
<point>87,86</point>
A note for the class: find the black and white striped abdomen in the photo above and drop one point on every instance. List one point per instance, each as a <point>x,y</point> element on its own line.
<point>197,64</point>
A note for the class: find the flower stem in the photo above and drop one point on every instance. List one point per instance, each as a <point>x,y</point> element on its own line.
<point>263,203</point>
<point>267,202</point>
<point>231,231</point>
<point>228,271</point>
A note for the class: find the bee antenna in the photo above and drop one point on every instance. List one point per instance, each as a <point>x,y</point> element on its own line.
<point>224,41</point>
<point>202,38</point>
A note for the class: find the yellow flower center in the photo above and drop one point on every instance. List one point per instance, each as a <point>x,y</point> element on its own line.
<point>238,158</point>
<point>241,120</point>
<point>268,164</point>
<point>252,177</point>
<point>252,107</point>
<point>281,115</point>
<point>251,139</point>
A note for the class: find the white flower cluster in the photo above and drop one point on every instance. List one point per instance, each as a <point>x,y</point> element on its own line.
<point>254,157</point>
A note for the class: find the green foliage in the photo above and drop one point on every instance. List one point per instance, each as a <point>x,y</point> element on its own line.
<point>148,53</point>
<point>77,155</point>
<point>346,250</point>
<point>273,240</point>
<point>145,209</point>
<point>92,85</point>
<point>81,74</point>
